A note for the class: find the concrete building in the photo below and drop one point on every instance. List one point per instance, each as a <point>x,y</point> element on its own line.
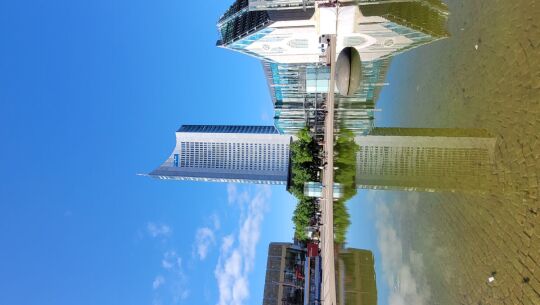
<point>242,154</point>
<point>424,159</point>
<point>292,277</point>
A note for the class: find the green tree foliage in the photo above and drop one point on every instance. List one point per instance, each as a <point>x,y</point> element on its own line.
<point>345,150</point>
<point>341,221</point>
<point>345,160</point>
<point>304,168</point>
<point>305,209</point>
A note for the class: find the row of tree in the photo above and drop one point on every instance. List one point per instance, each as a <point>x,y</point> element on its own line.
<point>345,150</point>
<point>305,165</point>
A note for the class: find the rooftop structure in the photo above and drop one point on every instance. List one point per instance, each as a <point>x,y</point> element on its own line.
<point>417,159</point>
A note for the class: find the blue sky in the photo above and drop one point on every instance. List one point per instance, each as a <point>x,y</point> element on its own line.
<point>91,92</point>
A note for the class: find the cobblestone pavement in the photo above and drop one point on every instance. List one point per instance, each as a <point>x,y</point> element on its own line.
<point>487,75</point>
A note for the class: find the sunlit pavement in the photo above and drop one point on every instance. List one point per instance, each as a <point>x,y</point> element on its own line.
<point>328,285</point>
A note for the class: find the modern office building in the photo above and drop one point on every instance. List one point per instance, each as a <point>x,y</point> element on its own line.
<point>284,34</point>
<point>244,154</point>
<point>292,277</point>
<point>424,159</point>
<point>355,277</point>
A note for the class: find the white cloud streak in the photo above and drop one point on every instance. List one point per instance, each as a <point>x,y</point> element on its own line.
<point>204,239</point>
<point>173,280</point>
<point>158,281</point>
<point>405,278</point>
<point>237,253</point>
<point>158,230</point>
<point>171,261</point>
<point>215,221</point>
<point>237,197</point>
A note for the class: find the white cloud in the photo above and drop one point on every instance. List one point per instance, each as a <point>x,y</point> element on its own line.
<point>204,239</point>
<point>227,243</point>
<point>405,277</point>
<point>231,192</point>
<point>171,260</point>
<point>158,281</point>
<point>158,230</point>
<point>236,260</point>
<point>236,197</point>
<point>173,279</point>
<point>265,117</point>
<point>215,221</point>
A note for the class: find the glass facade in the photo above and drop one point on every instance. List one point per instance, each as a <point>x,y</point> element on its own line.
<point>238,21</point>
<point>298,92</point>
<point>315,189</point>
<point>234,156</point>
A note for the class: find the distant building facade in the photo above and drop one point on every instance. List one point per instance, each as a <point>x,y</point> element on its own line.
<point>292,278</point>
<point>218,153</point>
<point>356,280</point>
<point>424,159</point>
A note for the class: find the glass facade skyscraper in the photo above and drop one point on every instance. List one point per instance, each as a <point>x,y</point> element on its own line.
<point>424,159</point>
<point>244,154</point>
<point>417,159</point>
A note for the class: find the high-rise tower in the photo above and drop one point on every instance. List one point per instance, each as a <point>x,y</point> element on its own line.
<point>424,159</point>
<point>249,154</point>
<point>410,159</point>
